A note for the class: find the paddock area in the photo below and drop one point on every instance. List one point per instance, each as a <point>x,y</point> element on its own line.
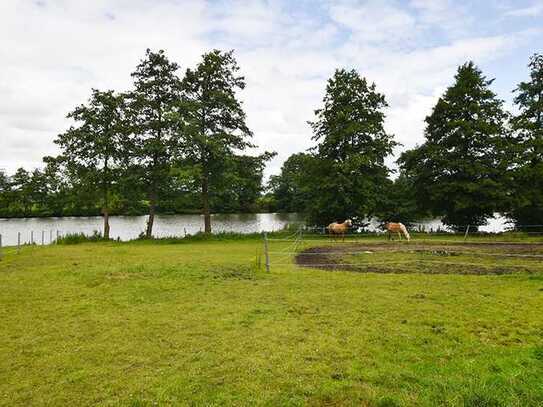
<point>438,258</point>
<point>492,254</point>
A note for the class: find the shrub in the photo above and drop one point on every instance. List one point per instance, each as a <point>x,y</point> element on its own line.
<point>76,238</point>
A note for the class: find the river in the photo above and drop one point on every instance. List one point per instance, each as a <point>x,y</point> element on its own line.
<point>130,227</point>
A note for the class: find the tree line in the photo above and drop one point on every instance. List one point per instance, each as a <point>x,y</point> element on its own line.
<point>169,144</point>
<point>477,158</point>
<point>176,144</point>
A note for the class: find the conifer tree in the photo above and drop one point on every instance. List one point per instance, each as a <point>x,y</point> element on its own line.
<point>350,174</point>
<point>527,208</point>
<point>460,170</point>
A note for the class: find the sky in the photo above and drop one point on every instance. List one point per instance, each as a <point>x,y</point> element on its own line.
<point>55,51</point>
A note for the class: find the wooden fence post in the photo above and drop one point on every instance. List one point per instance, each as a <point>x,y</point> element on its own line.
<point>0,247</point>
<point>18,242</point>
<point>50,236</point>
<point>56,241</point>
<point>42,237</point>
<point>31,237</point>
<point>266,252</point>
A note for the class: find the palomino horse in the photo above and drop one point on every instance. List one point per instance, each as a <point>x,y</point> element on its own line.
<point>339,229</point>
<point>398,228</point>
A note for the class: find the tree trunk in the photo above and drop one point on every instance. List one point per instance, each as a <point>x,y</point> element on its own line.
<point>105,211</point>
<point>151,220</point>
<point>205,204</point>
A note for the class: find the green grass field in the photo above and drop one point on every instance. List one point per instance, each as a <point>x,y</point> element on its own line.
<point>196,323</point>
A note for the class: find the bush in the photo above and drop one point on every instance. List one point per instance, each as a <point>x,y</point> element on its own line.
<point>76,238</point>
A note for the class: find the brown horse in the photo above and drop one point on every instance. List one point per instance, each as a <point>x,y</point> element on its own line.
<point>398,228</point>
<point>339,229</point>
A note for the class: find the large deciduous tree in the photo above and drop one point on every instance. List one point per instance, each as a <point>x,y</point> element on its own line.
<point>460,170</point>
<point>212,120</point>
<point>154,145</point>
<point>527,207</point>
<point>349,177</point>
<point>93,148</point>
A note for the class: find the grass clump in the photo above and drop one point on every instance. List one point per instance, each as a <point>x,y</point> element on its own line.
<point>78,238</point>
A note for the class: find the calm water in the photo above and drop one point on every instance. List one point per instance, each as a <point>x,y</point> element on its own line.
<point>129,227</point>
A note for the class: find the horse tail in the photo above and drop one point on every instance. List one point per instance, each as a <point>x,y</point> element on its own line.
<point>405,232</point>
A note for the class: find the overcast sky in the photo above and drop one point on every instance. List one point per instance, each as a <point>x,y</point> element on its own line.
<point>54,51</point>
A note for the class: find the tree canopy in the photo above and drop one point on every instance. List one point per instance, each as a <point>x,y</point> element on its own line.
<point>211,120</point>
<point>527,207</point>
<point>344,175</point>
<point>460,170</point>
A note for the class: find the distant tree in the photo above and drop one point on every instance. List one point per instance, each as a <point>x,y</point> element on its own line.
<point>154,145</point>
<point>292,187</point>
<point>400,203</point>
<point>57,185</point>
<point>5,194</point>
<point>527,208</point>
<point>39,191</point>
<point>350,176</point>
<point>94,147</point>
<point>460,171</point>
<point>22,192</point>
<point>212,120</point>
<point>238,187</point>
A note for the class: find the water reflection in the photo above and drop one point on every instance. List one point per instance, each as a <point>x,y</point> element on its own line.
<point>130,227</point>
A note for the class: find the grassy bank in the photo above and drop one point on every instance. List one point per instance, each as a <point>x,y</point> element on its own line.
<point>196,323</point>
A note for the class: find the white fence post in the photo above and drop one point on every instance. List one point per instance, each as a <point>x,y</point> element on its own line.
<point>0,247</point>
<point>31,237</point>
<point>266,253</point>
<point>18,242</point>
<point>466,234</point>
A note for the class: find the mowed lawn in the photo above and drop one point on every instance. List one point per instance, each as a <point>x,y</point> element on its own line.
<point>148,323</point>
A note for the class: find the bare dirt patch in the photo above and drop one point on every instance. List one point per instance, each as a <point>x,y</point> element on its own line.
<point>333,258</point>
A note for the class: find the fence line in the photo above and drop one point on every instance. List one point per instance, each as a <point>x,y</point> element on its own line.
<point>285,254</point>
<point>419,251</point>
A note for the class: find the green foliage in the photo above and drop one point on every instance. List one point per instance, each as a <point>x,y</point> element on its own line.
<point>154,144</point>
<point>292,187</point>
<point>212,122</point>
<point>349,171</point>
<point>527,185</point>
<point>78,238</point>
<point>400,203</point>
<point>345,175</point>
<point>460,172</point>
<point>95,150</point>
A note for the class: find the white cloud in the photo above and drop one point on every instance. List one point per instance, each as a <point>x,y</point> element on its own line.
<point>534,10</point>
<point>374,21</point>
<point>54,53</point>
